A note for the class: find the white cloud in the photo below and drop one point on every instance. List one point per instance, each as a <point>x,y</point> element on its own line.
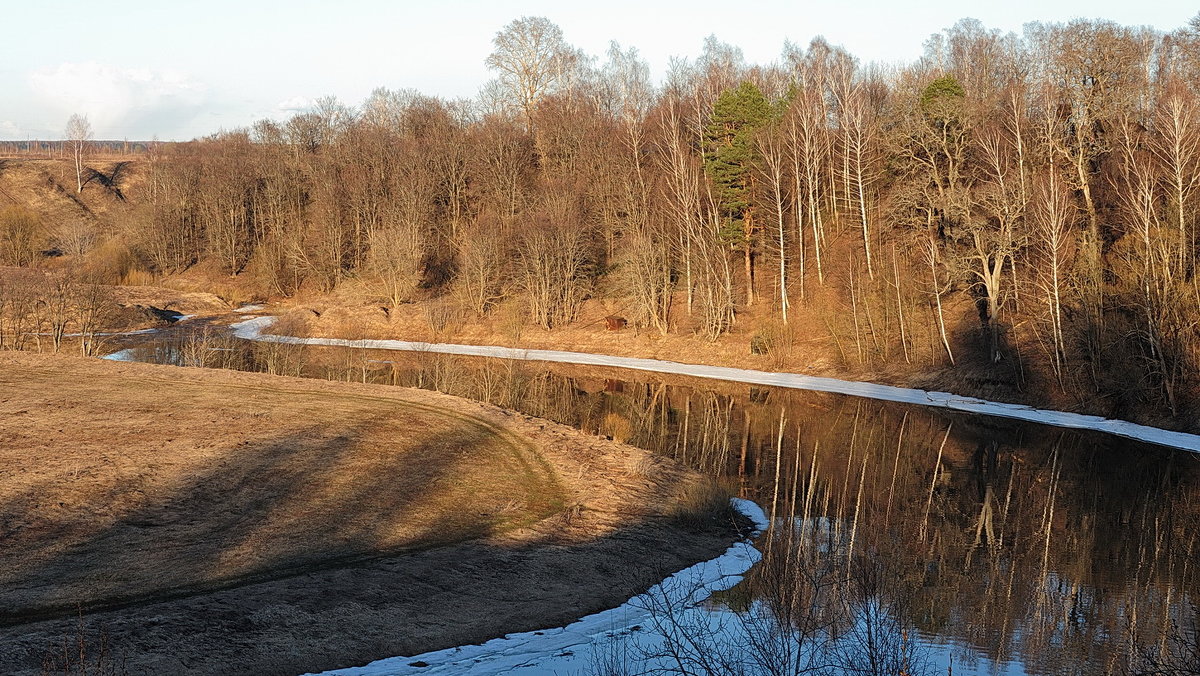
<point>10,131</point>
<point>120,102</point>
<point>296,104</point>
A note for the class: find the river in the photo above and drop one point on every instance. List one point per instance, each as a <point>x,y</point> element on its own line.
<point>903,538</point>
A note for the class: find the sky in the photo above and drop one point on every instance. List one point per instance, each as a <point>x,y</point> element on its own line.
<point>179,69</point>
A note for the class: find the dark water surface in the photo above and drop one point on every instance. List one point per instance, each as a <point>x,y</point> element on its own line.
<point>920,537</point>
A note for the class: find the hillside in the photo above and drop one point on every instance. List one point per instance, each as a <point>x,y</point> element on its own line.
<point>74,222</point>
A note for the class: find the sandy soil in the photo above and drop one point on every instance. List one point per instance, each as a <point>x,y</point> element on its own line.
<point>225,522</point>
<point>184,302</point>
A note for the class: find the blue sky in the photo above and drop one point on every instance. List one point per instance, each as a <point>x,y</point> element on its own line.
<point>182,69</point>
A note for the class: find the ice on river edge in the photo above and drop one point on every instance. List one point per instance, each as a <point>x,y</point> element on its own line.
<point>252,329</point>
<point>578,646</point>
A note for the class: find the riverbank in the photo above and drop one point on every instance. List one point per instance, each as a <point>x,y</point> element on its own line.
<point>260,328</point>
<point>805,348</point>
<point>274,525</point>
<point>631,638</point>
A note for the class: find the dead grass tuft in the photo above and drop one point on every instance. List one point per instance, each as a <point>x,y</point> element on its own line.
<point>646,467</point>
<point>138,277</point>
<point>83,654</point>
<point>704,505</point>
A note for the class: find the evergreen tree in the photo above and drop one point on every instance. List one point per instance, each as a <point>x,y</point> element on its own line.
<point>729,160</point>
<point>730,156</point>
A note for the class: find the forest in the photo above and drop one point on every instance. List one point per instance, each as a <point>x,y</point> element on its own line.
<point>1019,207</point>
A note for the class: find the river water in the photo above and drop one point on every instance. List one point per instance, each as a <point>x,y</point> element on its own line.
<point>904,539</point>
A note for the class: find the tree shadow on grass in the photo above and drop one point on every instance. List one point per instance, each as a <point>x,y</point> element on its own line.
<point>293,558</point>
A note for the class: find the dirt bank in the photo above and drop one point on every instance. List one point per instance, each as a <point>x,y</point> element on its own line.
<point>808,349</point>
<point>225,522</point>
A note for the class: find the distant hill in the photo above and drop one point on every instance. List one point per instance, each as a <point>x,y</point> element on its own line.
<point>74,222</point>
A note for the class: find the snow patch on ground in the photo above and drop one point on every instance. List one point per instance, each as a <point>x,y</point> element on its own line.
<point>252,329</point>
<point>122,355</point>
<point>577,647</point>
<point>247,309</point>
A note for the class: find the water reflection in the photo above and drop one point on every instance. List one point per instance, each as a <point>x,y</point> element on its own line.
<point>904,539</point>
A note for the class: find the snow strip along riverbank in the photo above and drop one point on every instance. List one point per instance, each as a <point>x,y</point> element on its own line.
<point>252,329</point>
<point>578,648</point>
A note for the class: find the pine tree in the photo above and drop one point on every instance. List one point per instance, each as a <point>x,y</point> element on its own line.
<point>729,161</point>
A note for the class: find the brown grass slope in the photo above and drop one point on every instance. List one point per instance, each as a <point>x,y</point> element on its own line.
<point>320,524</point>
<point>47,187</point>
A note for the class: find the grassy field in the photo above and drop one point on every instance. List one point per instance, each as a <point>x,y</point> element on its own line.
<point>122,487</point>
<point>217,521</point>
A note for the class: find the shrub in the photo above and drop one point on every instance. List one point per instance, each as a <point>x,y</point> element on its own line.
<point>22,236</point>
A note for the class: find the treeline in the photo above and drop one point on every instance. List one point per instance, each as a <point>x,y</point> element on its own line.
<point>51,149</point>
<point>1026,203</point>
<point>45,311</point>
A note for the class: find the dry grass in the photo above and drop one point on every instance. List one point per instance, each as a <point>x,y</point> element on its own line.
<point>201,483</point>
<point>232,291</point>
<point>47,187</point>
<point>124,483</point>
<point>704,505</point>
<point>183,301</point>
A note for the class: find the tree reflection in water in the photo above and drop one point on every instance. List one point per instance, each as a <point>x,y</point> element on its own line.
<point>902,537</point>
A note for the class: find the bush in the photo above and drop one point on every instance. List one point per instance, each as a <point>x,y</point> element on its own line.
<point>761,343</point>
<point>111,263</point>
<point>22,236</point>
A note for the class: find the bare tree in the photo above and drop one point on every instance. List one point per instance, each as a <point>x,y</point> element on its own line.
<point>79,132</point>
<point>772,149</point>
<point>483,252</point>
<point>856,119</point>
<point>1052,219</point>
<point>808,141</point>
<point>1176,146</point>
<point>707,272</point>
<point>533,60</point>
<point>551,261</point>
<point>993,235</point>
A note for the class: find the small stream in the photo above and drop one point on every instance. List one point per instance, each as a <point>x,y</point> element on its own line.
<point>901,539</point>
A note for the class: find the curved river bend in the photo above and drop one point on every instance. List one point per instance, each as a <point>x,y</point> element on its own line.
<point>902,537</point>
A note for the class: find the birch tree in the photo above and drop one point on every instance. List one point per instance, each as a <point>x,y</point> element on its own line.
<point>79,132</point>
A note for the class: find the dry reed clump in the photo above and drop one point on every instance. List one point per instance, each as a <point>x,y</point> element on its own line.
<point>22,236</point>
<point>82,654</point>
<point>235,296</point>
<point>138,277</point>
<point>704,505</point>
<point>292,325</point>
<point>774,341</point>
<point>572,513</point>
<point>511,318</point>
<point>616,427</point>
<point>647,466</point>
